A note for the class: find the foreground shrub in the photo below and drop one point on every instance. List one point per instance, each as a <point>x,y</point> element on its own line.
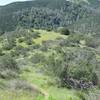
<point>80,68</point>
<point>74,66</point>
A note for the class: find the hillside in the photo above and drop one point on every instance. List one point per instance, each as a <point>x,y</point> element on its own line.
<point>35,61</point>
<point>61,13</point>
<point>50,50</point>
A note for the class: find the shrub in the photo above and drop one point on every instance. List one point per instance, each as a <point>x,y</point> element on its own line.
<point>54,64</point>
<point>92,42</point>
<point>75,38</point>
<point>20,50</point>
<point>9,44</point>
<point>94,79</point>
<point>73,65</point>
<point>36,46</point>
<point>20,40</point>
<point>8,67</point>
<point>65,31</point>
<point>29,42</point>
<point>80,66</point>
<point>38,58</point>
<point>35,35</point>
<point>14,53</point>
<point>81,95</point>
<point>49,29</point>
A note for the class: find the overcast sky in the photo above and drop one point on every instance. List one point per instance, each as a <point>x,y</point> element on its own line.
<point>4,2</point>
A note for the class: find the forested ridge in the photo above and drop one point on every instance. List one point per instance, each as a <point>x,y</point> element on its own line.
<point>45,14</point>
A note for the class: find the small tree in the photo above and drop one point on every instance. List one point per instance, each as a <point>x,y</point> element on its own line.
<point>65,31</point>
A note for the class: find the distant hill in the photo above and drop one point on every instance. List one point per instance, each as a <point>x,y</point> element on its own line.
<point>48,14</point>
<point>16,6</point>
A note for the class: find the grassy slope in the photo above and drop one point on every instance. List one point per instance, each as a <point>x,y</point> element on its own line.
<point>35,78</point>
<point>53,91</point>
<point>41,81</point>
<point>45,35</point>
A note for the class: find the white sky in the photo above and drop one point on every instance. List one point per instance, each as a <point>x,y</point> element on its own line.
<point>4,2</point>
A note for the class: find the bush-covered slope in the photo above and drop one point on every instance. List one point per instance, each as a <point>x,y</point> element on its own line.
<point>50,60</point>
<point>53,52</point>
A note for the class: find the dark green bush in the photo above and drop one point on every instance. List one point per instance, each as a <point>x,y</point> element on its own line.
<point>65,31</point>
<point>1,52</point>
<point>20,40</point>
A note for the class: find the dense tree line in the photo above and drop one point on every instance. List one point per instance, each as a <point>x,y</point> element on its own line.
<point>46,18</point>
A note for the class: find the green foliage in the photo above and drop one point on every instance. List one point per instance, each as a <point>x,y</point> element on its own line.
<point>69,59</point>
<point>20,40</point>
<point>77,64</point>
<point>55,14</point>
<point>9,43</point>
<point>40,97</point>
<point>14,53</point>
<point>94,78</point>
<point>38,58</point>
<point>93,42</point>
<point>1,52</point>
<point>65,31</point>
<point>8,67</point>
<point>63,58</point>
<point>81,95</point>
<point>17,95</point>
<point>76,37</point>
<point>54,65</point>
<point>80,64</point>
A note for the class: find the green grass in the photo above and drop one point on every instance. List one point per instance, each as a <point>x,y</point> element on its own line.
<point>45,35</point>
<point>53,91</point>
<point>16,95</point>
<point>19,94</point>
